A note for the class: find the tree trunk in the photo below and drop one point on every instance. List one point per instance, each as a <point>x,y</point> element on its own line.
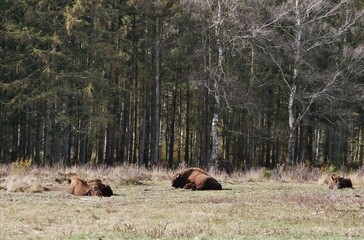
<point>268,156</point>
<point>197,152</point>
<point>214,133</point>
<point>57,136</point>
<point>172,126</point>
<point>47,136</point>
<point>204,126</point>
<point>101,146</point>
<point>66,149</point>
<point>292,95</point>
<point>110,145</point>
<point>142,134</point>
<point>135,110</point>
<point>30,134</point>
<point>38,137</point>
<point>310,138</point>
<point>187,128</point>
<point>83,142</point>
<point>217,80</point>
<point>156,108</point>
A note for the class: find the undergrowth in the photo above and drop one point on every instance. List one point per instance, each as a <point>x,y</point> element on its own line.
<point>22,175</point>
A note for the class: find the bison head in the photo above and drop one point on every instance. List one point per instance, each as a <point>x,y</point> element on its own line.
<point>340,182</point>
<point>106,191</point>
<point>178,181</point>
<point>94,191</point>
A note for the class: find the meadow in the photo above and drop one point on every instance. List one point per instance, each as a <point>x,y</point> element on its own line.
<point>259,204</point>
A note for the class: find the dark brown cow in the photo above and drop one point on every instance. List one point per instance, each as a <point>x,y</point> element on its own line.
<point>80,187</point>
<point>195,179</point>
<point>340,182</point>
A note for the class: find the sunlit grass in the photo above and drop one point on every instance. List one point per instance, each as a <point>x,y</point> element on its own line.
<point>145,206</point>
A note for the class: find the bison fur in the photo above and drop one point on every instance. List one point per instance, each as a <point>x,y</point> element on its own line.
<point>340,182</point>
<point>195,179</point>
<point>95,187</point>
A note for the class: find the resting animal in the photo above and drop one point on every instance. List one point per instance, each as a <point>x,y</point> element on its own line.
<point>340,182</point>
<point>195,179</point>
<point>80,187</point>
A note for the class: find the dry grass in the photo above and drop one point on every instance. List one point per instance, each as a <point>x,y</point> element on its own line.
<point>259,204</point>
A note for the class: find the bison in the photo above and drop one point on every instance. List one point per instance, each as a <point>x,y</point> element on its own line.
<point>80,187</point>
<point>94,190</point>
<point>97,184</point>
<point>195,179</point>
<point>340,182</point>
<point>77,186</point>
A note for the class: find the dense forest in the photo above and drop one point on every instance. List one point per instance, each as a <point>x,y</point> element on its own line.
<point>253,82</point>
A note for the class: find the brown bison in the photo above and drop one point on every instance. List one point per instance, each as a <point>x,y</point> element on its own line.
<point>195,179</point>
<point>77,186</point>
<point>98,185</point>
<point>80,187</point>
<point>340,182</point>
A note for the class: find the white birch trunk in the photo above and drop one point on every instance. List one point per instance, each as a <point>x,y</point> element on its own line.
<point>293,90</point>
<point>217,79</point>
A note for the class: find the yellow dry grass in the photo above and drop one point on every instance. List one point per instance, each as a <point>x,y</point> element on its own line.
<point>251,206</point>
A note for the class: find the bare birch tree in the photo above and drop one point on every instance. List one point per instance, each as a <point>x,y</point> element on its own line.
<point>307,33</point>
<point>237,24</point>
<point>214,14</point>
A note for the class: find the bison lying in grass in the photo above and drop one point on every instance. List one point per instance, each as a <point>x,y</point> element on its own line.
<point>195,179</point>
<point>80,187</point>
<point>340,182</point>
<point>97,184</point>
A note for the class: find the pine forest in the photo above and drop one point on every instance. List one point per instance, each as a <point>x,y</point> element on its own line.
<point>210,83</point>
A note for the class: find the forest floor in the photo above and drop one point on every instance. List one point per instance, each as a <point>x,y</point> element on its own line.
<point>152,209</point>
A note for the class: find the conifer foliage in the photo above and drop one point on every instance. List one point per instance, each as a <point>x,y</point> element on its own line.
<point>164,82</point>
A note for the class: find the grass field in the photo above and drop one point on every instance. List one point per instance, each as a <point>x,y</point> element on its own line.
<point>151,209</point>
